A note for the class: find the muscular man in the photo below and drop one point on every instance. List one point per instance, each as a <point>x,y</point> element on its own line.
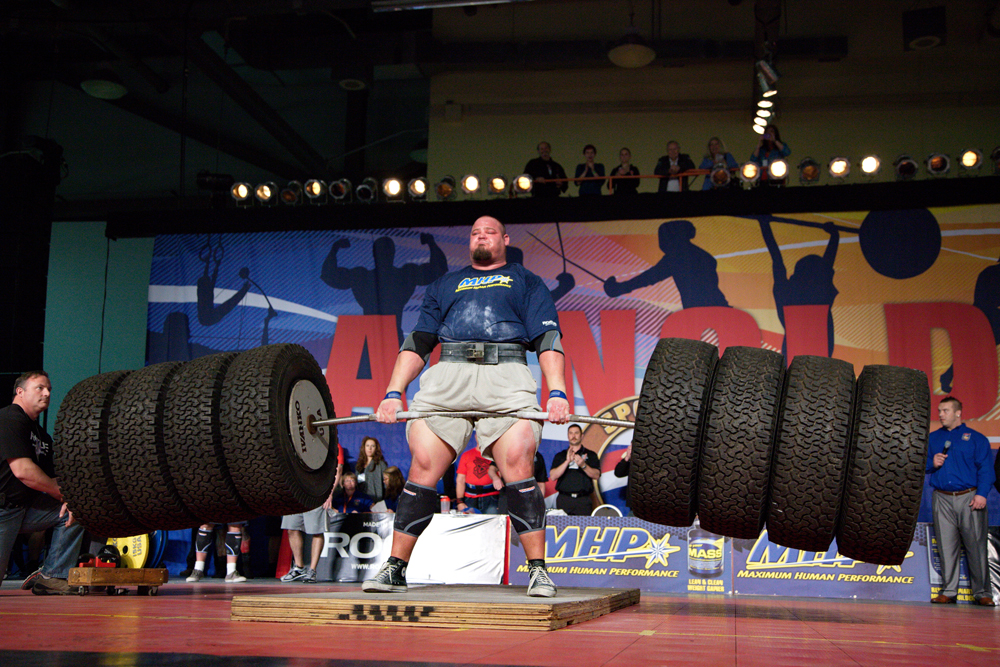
<point>486,316</point>
<point>961,476</point>
<point>575,469</point>
<point>30,499</point>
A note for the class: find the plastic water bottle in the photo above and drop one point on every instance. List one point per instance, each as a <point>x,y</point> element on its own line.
<point>445,504</point>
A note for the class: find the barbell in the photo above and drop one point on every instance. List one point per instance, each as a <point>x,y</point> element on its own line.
<point>707,432</point>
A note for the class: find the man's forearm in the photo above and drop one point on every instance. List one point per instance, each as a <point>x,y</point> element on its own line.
<point>407,368</point>
<point>33,477</point>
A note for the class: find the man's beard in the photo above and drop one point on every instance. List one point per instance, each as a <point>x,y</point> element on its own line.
<point>481,255</point>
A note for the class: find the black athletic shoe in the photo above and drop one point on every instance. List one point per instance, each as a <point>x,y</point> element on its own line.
<point>53,586</point>
<point>30,580</point>
<point>390,579</point>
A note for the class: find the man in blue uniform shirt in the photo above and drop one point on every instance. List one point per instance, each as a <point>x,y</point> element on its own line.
<point>961,475</point>
<point>486,316</point>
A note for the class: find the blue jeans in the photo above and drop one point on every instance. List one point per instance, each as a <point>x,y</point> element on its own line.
<point>42,514</point>
<point>486,504</point>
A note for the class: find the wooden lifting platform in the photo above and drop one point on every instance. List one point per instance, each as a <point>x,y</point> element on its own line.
<point>455,606</point>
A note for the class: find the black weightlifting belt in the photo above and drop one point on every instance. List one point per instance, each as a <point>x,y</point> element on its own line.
<point>483,353</point>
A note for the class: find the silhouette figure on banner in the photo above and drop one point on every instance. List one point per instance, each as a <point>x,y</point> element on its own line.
<point>692,268</point>
<point>987,299</point>
<point>565,280</point>
<point>811,283</point>
<point>210,314</point>
<point>386,289</point>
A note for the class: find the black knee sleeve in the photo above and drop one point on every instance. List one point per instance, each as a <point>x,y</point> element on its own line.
<point>526,506</point>
<point>203,541</point>
<point>233,542</point>
<point>417,505</point>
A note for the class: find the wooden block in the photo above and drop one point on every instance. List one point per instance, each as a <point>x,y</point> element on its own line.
<point>115,576</point>
<point>488,607</point>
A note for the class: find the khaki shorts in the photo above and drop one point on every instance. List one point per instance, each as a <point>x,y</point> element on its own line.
<point>312,522</point>
<point>446,386</point>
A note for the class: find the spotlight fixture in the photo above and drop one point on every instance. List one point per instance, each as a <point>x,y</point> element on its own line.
<point>759,129</point>
<point>769,93</point>
<point>470,184</point>
<point>767,72</point>
<point>719,176</point>
<point>393,189</point>
<point>971,159</point>
<point>764,113</point>
<point>759,121</point>
<point>497,185</point>
<point>291,194</point>
<point>765,104</point>
<point>839,167</point>
<point>523,184</point>
<point>809,171</point>
<point>266,193</point>
<point>445,188</point>
<point>417,188</point>
<point>906,168</point>
<point>777,170</point>
<point>367,191</point>
<point>749,172</point>
<point>766,89</point>
<point>938,164</point>
<point>995,157</point>
<point>870,165</point>
<point>341,191</point>
<point>240,192</point>
<point>316,191</point>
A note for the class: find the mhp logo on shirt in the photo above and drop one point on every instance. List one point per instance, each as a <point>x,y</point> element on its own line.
<point>482,282</point>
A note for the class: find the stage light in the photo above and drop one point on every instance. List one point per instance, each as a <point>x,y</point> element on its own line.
<point>393,189</point>
<point>522,184</point>
<point>763,113</point>
<point>759,129</point>
<point>870,165</point>
<point>749,172</point>
<point>971,159</point>
<point>497,185</point>
<point>906,168</point>
<point>341,190</point>
<point>367,191</point>
<point>445,188</point>
<point>809,171</point>
<point>995,157</point>
<point>470,184</point>
<point>777,170</point>
<point>839,167</point>
<point>291,194</point>
<point>720,176</point>
<point>769,93</point>
<point>315,191</point>
<point>765,104</point>
<point>767,71</point>
<point>938,164</point>
<point>759,121</point>
<point>266,193</point>
<point>417,188</point>
<point>240,192</point>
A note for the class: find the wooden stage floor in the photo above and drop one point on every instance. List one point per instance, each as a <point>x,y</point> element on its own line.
<point>189,624</point>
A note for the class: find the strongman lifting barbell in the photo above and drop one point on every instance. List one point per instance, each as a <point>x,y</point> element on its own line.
<point>234,435</point>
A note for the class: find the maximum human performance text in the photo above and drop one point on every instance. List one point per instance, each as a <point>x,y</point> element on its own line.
<point>826,576</point>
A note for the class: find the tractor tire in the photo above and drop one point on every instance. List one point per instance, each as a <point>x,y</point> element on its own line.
<point>666,443</point>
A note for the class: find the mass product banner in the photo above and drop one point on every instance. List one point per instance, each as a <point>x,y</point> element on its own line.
<point>917,288</point>
<point>761,567</point>
<point>625,552</point>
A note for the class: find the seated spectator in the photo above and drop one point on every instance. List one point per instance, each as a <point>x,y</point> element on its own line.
<point>392,480</point>
<point>477,483</point>
<point>624,186</point>
<point>770,148</point>
<point>717,156</point>
<point>589,169</point>
<point>371,464</point>
<point>671,164</point>
<point>350,499</point>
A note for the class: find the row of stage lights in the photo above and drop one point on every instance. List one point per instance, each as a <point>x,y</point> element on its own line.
<point>905,167</point>
<point>393,189</point>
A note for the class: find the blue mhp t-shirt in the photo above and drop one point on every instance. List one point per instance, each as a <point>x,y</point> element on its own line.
<point>505,305</point>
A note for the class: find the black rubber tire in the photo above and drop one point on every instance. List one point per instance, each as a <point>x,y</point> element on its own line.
<point>192,437</point>
<point>666,442</point>
<point>885,475</point>
<point>81,458</point>
<point>811,448</point>
<point>739,434</point>
<point>137,454</point>
<point>260,453</point>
